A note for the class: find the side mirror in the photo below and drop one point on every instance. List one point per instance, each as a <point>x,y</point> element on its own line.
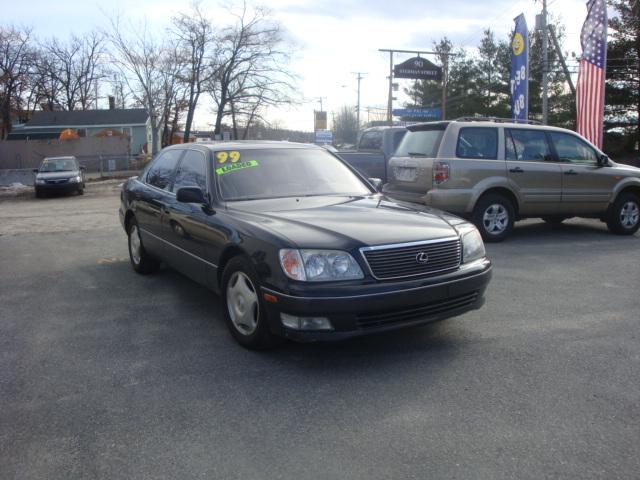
<point>35,170</point>
<point>603,161</point>
<point>83,168</point>
<point>377,183</point>
<point>191,195</point>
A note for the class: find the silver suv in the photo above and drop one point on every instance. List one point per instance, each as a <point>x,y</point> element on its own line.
<point>495,172</point>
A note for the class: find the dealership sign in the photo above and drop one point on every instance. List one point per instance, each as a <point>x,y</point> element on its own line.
<point>418,68</point>
<point>425,113</point>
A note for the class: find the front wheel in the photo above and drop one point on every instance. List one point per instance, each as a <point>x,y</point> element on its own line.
<point>141,261</point>
<point>244,311</point>
<point>624,215</point>
<point>494,216</point>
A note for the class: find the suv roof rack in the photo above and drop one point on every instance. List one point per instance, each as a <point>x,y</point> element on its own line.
<point>496,120</point>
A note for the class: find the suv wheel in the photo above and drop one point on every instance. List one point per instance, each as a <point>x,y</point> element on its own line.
<point>624,215</point>
<point>494,216</point>
<point>244,311</point>
<point>141,261</point>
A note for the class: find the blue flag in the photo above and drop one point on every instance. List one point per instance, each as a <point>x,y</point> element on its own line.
<point>520,70</point>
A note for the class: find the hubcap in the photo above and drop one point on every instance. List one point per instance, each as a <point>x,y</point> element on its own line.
<point>495,219</point>
<point>629,214</point>
<point>242,303</point>
<point>135,244</point>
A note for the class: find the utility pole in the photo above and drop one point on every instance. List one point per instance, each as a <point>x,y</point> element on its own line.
<point>545,64</point>
<point>320,100</point>
<point>359,77</point>
<point>554,39</point>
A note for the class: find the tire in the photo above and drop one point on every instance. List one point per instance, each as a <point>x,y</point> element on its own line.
<point>244,311</point>
<point>494,216</point>
<point>81,191</point>
<point>141,261</point>
<point>623,217</point>
<point>554,220</point>
<point>39,193</point>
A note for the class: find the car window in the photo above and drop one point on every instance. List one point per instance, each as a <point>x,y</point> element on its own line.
<point>397,138</point>
<point>59,165</point>
<point>422,142</point>
<point>474,142</point>
<point>160,172</point>
<point>284,172</point>
<point>527,145</point>
<point>192,171</point>
<point>573,149</point>
<point>371,141</point>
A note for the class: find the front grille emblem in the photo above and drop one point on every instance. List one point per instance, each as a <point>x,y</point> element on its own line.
<point>422,258</point>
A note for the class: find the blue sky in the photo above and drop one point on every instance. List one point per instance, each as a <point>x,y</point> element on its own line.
<point>331,38</point>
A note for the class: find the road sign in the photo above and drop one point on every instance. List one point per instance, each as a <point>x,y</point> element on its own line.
<point>324,136</point>
<point>320,121</point>
<point>418,68</point>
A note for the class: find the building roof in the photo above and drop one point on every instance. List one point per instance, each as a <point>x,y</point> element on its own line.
<point>88,118</point>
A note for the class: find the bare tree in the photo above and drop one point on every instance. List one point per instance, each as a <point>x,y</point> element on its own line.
<point>75,67</point>
<point>251,68</point>
<point>140,59</point>
<point>195,36</point>
<point>16,61</point>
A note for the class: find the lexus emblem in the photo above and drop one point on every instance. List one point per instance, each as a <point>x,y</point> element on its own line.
<point>422,257</point>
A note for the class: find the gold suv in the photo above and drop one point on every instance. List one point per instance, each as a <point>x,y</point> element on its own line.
<point>496,172</point>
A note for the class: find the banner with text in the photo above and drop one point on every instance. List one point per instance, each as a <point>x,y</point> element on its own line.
<point>519,81</point>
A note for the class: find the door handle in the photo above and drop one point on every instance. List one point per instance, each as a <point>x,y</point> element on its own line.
<point>516,170</point>
<point>570,172</point>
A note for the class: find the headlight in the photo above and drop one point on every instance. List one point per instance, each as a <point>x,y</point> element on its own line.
<point>40,180</point>
<point>319,265</point>
<point>75,179</point>
<point>472,245</point>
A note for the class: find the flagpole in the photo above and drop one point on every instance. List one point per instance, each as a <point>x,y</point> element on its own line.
<point>545,64</point>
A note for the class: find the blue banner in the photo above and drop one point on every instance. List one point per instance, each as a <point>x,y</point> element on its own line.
<point>428,113</point>
<point>520,70</point>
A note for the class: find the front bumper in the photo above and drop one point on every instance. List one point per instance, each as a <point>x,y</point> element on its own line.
<point>383,306</point>
<point>58,187</point>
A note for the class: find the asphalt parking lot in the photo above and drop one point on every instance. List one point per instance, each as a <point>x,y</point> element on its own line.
<point>105,374</point>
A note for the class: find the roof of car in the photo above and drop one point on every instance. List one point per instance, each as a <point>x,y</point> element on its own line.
<point>490,122</point>
<point>246,145</point>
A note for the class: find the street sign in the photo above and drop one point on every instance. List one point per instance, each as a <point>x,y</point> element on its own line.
<point>418,68</point>
<point>425,113</point>
<point>324,136</point>
<point>320,120</point>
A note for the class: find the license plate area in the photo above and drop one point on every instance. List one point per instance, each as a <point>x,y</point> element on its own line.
<point>405,174</point>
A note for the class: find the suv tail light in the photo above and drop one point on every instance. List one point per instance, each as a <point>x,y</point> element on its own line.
<point>440,172</point>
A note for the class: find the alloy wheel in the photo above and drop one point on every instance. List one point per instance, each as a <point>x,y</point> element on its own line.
<point>629,214</point>
<point>135,244</point>
<point>495,219</point>
<point>242,303</point>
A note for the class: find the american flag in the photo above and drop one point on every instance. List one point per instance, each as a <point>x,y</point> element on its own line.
<point>590,88</point>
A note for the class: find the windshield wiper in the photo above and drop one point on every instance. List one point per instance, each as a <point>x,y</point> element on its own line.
<point>417,154</point>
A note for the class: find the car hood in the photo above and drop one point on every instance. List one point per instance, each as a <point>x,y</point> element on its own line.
<point>56,175</point>
<point>346,222</point>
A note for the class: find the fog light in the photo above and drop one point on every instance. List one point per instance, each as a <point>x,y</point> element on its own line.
<point>305,323</point>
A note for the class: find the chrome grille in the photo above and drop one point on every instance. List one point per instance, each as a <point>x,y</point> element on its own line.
<point>400,261</point>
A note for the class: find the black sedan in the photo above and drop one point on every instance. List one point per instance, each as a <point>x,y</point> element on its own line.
<point>297,243</point>
<point>59,175</point>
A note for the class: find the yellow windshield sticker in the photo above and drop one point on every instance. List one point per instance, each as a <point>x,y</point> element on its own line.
<point>232,167</point>
<point>222,157</point>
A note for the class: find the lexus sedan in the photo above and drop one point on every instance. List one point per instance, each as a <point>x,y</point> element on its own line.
<point>297,243</point>
<point>59,175</point>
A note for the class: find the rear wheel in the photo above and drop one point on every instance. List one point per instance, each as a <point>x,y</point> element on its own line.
<point>624,215</point>
<point>141,261</point>
<point>494,216</point>
<point>244,311</point>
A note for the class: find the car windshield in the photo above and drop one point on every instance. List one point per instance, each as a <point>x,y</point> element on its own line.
<point>424,143</point>
<point>58,165</point>
<point>283,172</point>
